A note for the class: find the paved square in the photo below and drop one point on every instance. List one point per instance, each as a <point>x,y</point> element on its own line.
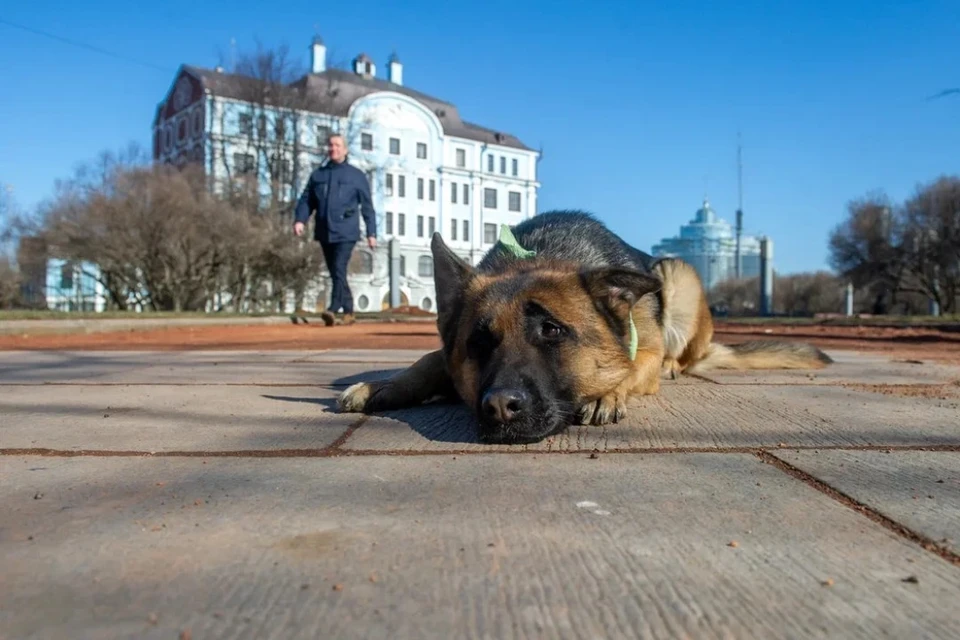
<point>148,494</point>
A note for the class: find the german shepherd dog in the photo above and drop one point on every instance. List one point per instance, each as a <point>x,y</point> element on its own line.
<point>560,324</point>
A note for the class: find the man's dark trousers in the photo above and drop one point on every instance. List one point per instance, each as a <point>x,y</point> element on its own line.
<point>337,255</point>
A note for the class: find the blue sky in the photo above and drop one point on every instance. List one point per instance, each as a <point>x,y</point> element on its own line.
<point>637,106</point>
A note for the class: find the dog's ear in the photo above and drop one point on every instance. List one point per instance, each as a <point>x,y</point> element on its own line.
<point>619,289</point>
<point>450,275</point>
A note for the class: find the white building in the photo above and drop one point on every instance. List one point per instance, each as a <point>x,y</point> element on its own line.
<point>708,243</point>
<point>428,168</point>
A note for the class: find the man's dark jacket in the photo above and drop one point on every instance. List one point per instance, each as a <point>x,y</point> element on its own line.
<point>340,194</point>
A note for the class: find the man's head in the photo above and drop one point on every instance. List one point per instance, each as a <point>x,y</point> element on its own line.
<point>526,347</point>
<point>336,148</point>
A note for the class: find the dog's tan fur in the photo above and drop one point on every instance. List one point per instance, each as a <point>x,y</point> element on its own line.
<point>677,340</point>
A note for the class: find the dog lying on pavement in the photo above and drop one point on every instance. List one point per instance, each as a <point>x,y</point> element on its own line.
<point>561,323</point>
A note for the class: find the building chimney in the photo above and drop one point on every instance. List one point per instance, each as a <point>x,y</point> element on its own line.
<point>318,56</point>
<point>394,69</point>
<point>363,66</point>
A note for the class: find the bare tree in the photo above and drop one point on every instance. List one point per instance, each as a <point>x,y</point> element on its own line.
<point>807,294</point>
<point>736,297</point>
<point>866,248</point>
<point>931,242</point>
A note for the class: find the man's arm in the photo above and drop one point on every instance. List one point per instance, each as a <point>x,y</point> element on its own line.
<point>366,206</point>
<point>307,202</point>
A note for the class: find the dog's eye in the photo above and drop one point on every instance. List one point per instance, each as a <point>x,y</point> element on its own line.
<point>551,330</point>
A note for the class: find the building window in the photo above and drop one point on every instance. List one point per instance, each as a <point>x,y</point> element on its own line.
<point>490,163</point>
<point>366,142</point>
<point>433,226</point>
<point>243,163</point>
<point>403,265</point>
<point>402,186</point>
<point>515,166</point>
<point>433,190</point>
<point>425,267</point>
<point>363,302</point>
<point>197,123</point>
<point>426,304</point>
<point>461,158</point>
<point>245,124</point>
<point>453,192</point>
<point>66,276</point>
<point>323,134</point>
<point>401,224</point>
<point>466,231</point>
<point>419,226</point>
<point>514,202</point>
<point>466,194</point>
<point>489,233</point>
<point>395,146</point>
<point>388,187</point>
<point>503,165</point>
<point>453,229</point>
<point>419,188</point>
<point>389,223</point>
<point>421,151</point>
<point>490,198</point>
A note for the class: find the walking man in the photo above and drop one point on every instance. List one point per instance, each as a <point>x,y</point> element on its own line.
<point>340,194</point>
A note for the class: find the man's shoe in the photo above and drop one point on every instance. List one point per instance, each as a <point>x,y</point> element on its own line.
<point>349,319</point>
<point>328,318</point>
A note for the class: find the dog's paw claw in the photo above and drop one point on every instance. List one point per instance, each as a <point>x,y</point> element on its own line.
<point>606,410</point>
<point>585,414</point>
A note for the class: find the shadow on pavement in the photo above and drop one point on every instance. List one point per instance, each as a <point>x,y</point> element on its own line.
<point>439,421</point>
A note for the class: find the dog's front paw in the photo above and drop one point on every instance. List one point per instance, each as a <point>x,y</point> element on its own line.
<point>355,398</point>
<point>609,408</point>
<point>670,369</point>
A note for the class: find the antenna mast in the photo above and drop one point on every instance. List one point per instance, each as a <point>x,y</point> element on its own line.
<point>739,206</point>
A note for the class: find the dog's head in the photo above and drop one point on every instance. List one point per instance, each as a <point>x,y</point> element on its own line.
<point>527,347</point>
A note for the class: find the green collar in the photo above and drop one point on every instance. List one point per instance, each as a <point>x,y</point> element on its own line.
<point>509,242</point>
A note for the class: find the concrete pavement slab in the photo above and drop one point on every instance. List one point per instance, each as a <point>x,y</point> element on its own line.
<point>700,416</point>
<point>40,367</point>
<point>920,490</point>
<point>168,418</point>
<point>848,368</point>
<point>487,546</point>
<point>333,368</point>
<point>376,357</point>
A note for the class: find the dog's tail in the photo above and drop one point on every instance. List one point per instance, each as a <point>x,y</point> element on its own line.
<point>762,354</point>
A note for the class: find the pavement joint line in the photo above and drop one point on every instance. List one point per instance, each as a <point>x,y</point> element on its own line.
<point>321,385</point>
<point>337,444</point>
<point>853,386</point>
<point>863,509</point>
<point>335,450</point>
<point>700,377</point>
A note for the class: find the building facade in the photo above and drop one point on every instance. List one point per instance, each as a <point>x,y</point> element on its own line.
<point>709,243</point>
<point>429,170</point>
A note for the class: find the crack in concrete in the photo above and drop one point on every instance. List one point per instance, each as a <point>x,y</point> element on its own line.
<point>869,512</point>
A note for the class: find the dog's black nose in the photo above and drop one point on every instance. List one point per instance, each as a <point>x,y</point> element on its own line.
<point>505,405</point>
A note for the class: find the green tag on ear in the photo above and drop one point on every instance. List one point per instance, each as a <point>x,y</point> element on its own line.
<point>509,242</point>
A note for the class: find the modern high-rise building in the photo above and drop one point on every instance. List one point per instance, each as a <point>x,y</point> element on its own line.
<point>429,169</point>
<point>709,242</point>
